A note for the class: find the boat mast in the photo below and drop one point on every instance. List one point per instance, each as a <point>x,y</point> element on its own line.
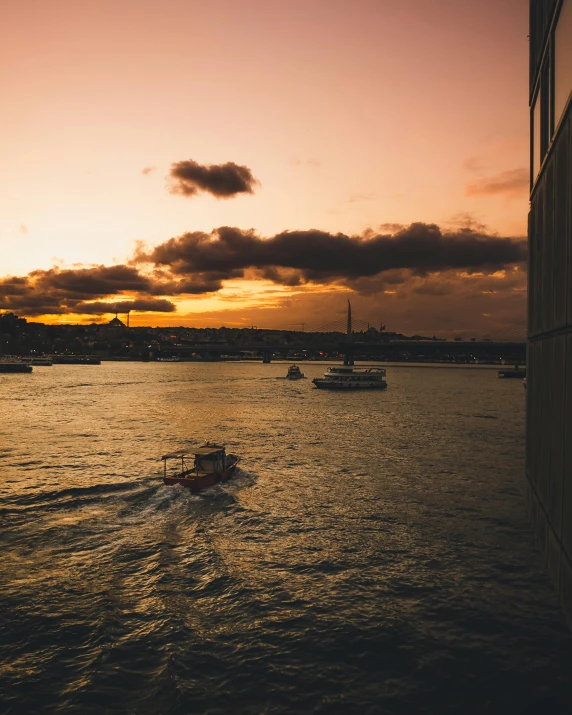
<point>349,327</point>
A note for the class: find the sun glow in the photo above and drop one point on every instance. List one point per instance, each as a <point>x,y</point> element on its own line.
<point>235,294</point>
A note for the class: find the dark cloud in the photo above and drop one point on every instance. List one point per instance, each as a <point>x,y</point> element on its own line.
<point>77,290</point>
<point>321,257</point>
<point>445,304</point>
<point>159,305</point>
<point>87,282</point>
<point>220,180</point>
<point>512,183</point>
<point>411,264</point>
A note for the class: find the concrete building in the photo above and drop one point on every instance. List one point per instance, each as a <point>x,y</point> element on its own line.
<point>549,372</point>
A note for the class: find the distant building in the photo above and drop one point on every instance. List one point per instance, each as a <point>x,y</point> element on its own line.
<point>549,369</point>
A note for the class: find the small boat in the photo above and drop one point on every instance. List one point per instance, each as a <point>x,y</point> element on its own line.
<point>349,378</point>
<point>515,371</point>
<point>14,366</point>
<point>294,373</point>
<point>211,465</point>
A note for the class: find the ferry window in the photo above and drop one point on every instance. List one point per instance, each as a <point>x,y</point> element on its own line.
<point>535,134</point>
<point>563,59</point>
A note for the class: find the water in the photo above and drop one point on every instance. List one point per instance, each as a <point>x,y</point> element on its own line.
<point>372,555</point>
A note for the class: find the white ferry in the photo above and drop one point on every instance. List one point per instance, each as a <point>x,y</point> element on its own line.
<point>350,378</point>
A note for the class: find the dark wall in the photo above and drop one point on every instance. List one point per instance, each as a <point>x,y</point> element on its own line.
<point>549,371</point>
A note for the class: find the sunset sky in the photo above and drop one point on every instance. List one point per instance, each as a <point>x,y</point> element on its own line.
<point>128,124</point>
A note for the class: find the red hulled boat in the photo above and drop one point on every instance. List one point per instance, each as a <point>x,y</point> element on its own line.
<point>211,465</point>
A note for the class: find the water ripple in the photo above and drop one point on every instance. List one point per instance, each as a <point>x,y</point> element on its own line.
<point>372,554</point>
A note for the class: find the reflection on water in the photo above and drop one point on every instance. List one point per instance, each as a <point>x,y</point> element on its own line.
<point>372,553</point>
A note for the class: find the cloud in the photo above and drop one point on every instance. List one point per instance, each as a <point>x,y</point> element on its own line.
<point>361,197</point>
<point>466,219</point>
<point>94,281</point>
<point>123,306</point>
<point>414,263</point>
<point>390,227</point>
<point>148,169</point>
<point>322,257</point>
<point>307,162</point>
<point>473,164</point>
<point>23,229</point>
<point>220,180</point>
<point>445,304</point>
<point>513,183</point>
<point>74,290</point>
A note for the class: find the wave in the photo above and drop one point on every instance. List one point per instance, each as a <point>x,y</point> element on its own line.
<point>70,496</point>
<point>158,496</point>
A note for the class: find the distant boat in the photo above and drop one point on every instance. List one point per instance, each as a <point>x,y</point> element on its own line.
<point>211,464</point>
<point>349,378</point>
<point>294,373</point>
<point>515,371</point>
<point>75,360</point>
<point>14,366</point>
<point>171,358</point>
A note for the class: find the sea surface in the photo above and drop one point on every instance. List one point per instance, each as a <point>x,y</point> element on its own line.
<point>371,555</point>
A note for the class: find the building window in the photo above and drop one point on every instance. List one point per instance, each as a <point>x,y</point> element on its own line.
<point>542,117</point>
<point>535,134</point>
<point>562,59</point>
<point>545,107</point>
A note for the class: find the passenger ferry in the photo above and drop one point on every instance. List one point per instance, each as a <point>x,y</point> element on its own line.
<point>350,378</point>
<point>211,464</point>
<point>294,373</point>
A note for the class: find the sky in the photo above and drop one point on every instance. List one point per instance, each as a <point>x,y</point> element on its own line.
<point>239,162</point>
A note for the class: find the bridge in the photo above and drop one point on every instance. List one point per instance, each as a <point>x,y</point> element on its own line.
<point>339,339</point>
<point>394,351</point>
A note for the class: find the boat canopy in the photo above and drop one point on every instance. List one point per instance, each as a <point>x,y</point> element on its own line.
<point>203,451</point>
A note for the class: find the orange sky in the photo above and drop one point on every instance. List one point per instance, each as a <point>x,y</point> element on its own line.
<point>351,114</point>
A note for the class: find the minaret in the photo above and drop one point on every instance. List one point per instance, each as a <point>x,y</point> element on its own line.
<point>348,359</point>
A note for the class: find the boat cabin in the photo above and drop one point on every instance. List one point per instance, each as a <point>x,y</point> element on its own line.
<point>207,458</point>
